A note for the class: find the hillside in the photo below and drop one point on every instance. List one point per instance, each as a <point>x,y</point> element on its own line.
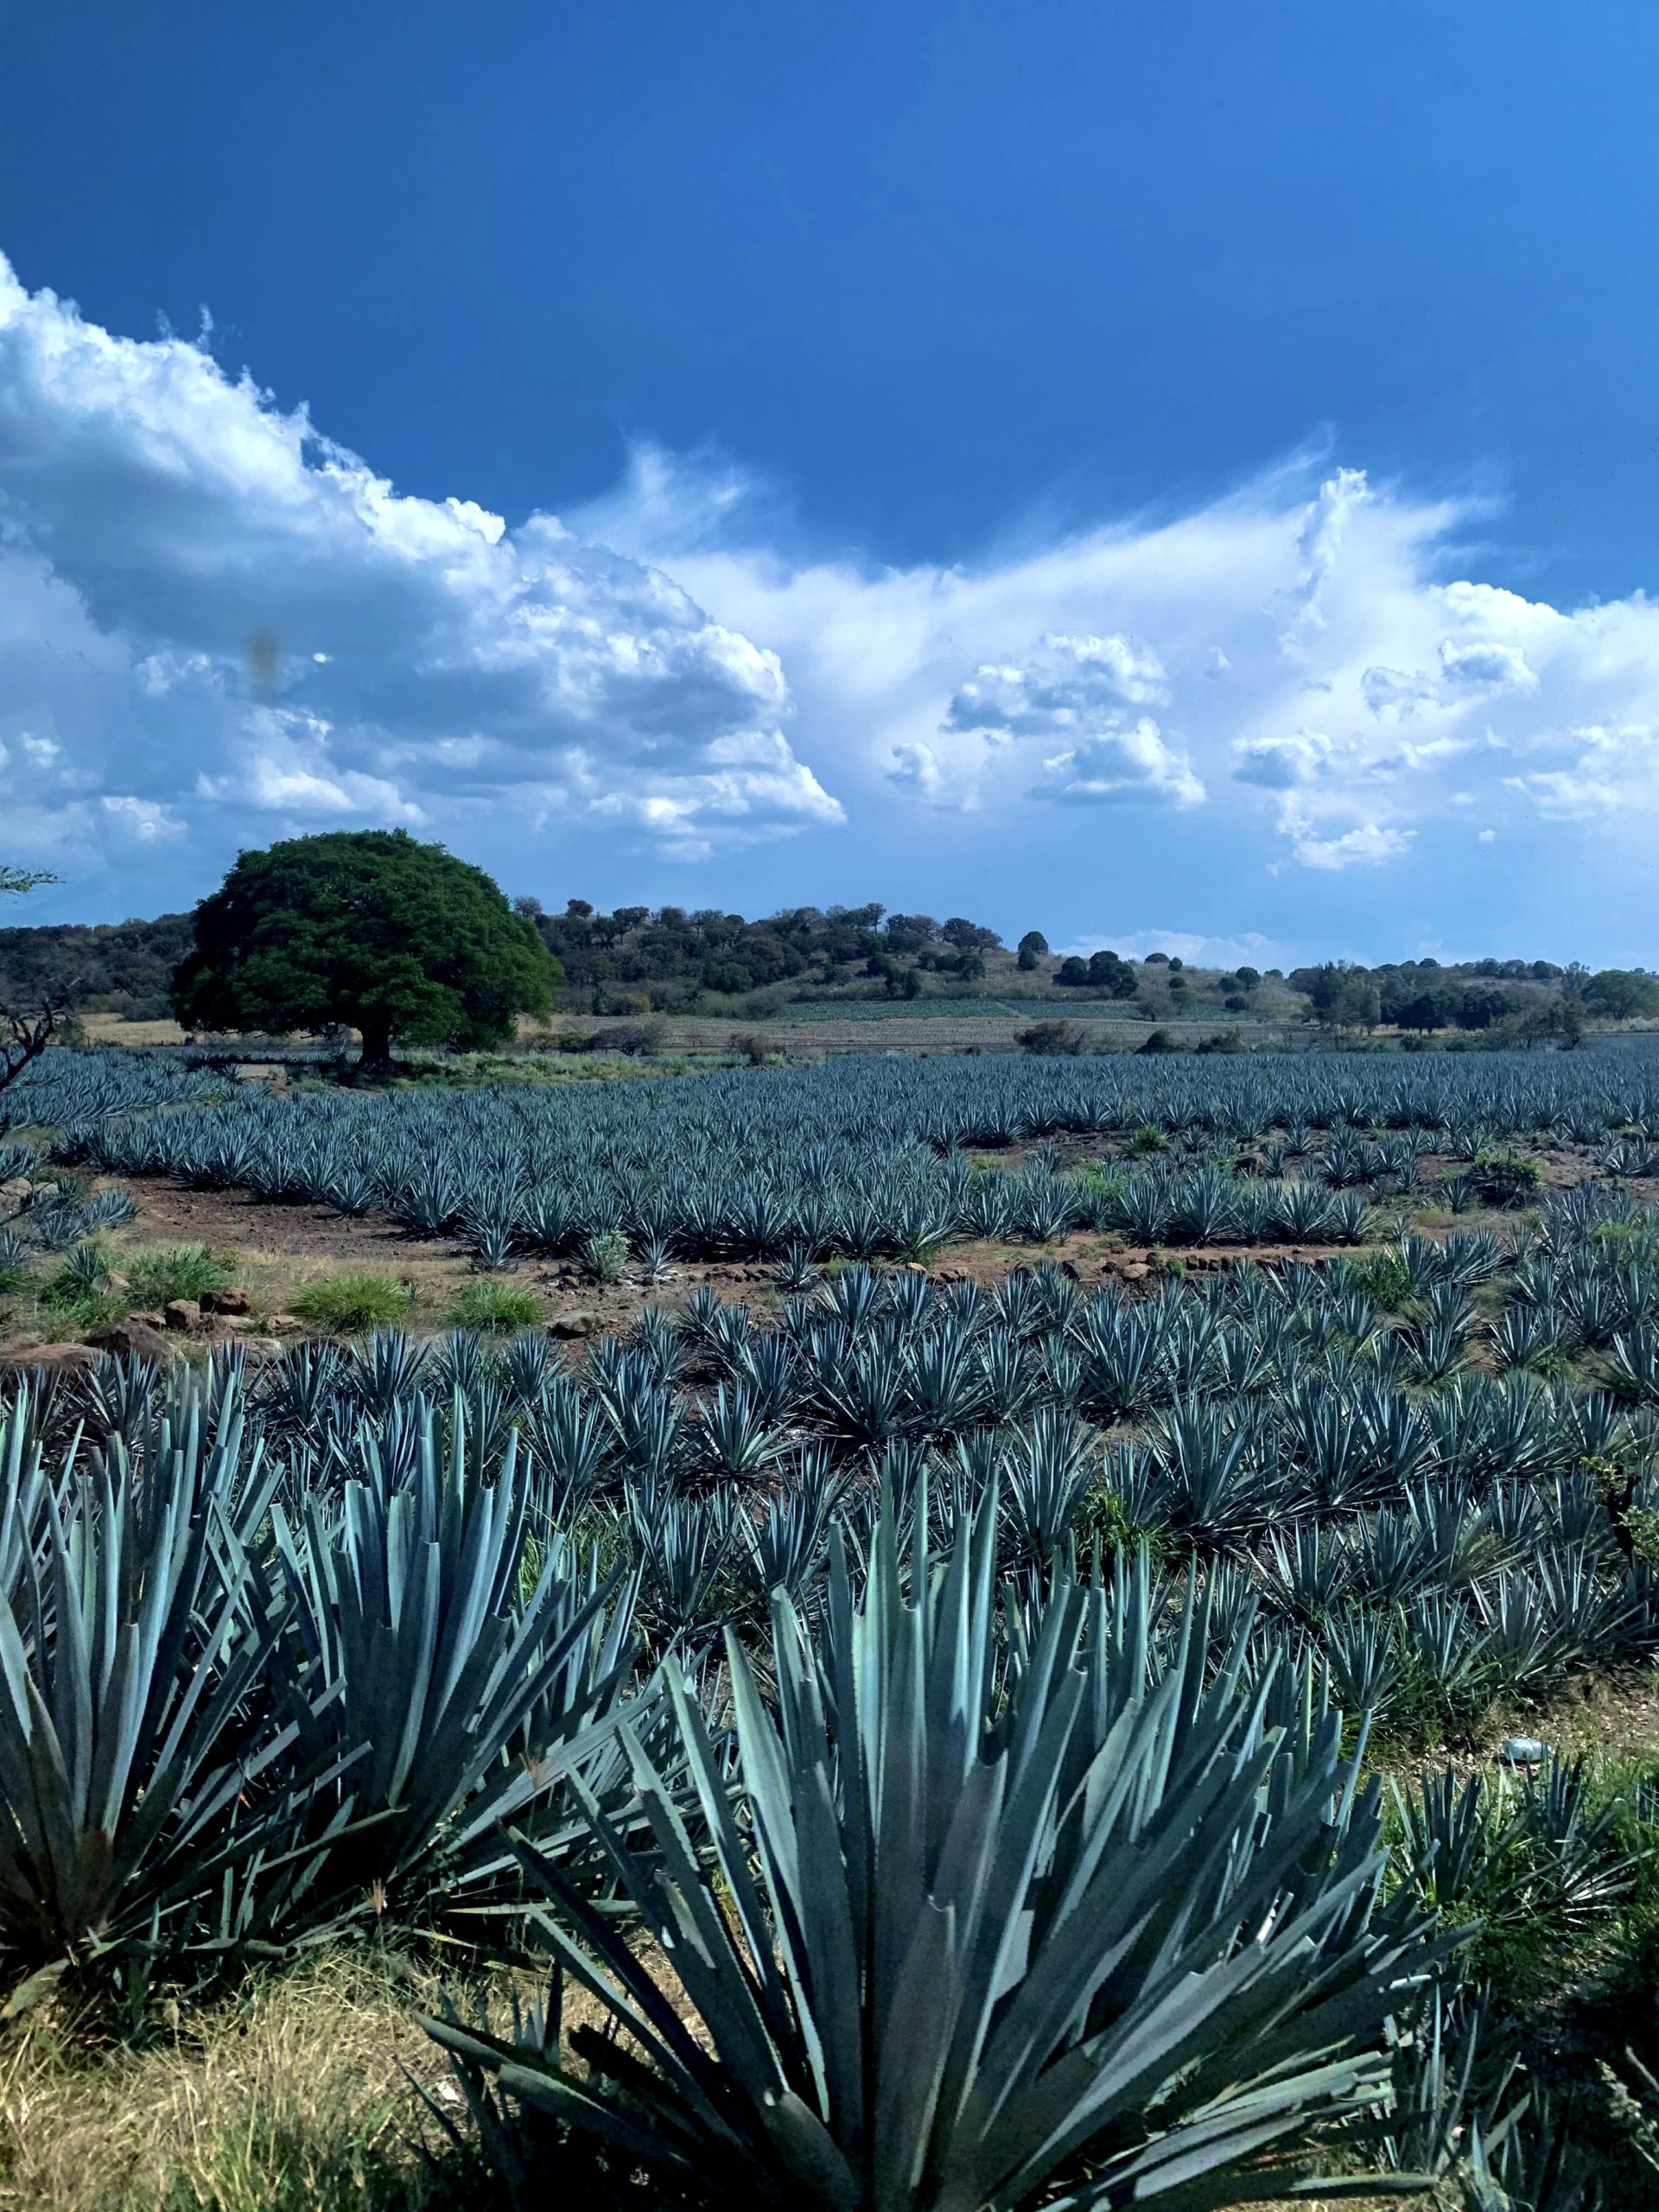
<point>854,961</point>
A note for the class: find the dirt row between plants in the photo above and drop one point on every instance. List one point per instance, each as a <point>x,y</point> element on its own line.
<point>276,1250</point>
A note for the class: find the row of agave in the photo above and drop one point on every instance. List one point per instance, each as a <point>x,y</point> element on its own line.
<point>986,1882</point>
<point>864,1158</point>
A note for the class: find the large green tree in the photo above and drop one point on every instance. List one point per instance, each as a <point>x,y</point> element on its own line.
<point>369,928</point>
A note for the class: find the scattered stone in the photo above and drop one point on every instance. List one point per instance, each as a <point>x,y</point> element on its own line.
<point>226,1302</point>
<point>914,1267</point>
<point>574,1325</point>
<point>263,1347</point>
<point>180,1314</point>
<point>52,1359</point>
<point>16,1187</point>
<point>1524,1750</point>
<point>134,1339</point>
<point>150,1320</point>
<point>284,1324</point>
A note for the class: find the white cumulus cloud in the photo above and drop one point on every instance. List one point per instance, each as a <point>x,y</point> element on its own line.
<point>219,622</point>
<point>1318,667</point>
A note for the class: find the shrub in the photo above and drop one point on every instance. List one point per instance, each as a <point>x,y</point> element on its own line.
<point>1159,1041</point>
<point>606,1256</point>
<point>1050,1040</point>
<point>163,1271</point>
<point>496,1308</point>
<point>347,1305</point>
<point>1504,1179</point>
<point>755,1049</point>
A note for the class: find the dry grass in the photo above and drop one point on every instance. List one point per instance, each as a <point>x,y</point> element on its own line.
<point>296,2094</point>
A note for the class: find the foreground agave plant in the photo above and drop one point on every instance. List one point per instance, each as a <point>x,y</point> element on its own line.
<point>992,1924</point>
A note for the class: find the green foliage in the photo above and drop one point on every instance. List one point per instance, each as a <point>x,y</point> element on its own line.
<point>368,928</point>
<point>1622,995</point>
<point>605,1256</point>
<point>347,1305</point>
<point>1504,1179</point>
<point>1384,1278</point>
<point>496,1308</point>
<point>79,1289</point>
<point>158,1272</point>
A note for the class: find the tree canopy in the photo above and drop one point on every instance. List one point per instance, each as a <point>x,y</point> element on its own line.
<point>367,928</point>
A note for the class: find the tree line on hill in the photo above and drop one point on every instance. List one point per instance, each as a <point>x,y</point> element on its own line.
<point>293,963</point>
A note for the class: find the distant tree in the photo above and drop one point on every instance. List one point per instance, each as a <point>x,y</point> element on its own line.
<point>26,1029</point>
<point>968,937</point>
<point>1621,995</point>
<point>1557,1020</point>
<point>1032,946</point>
<point>1109,973</point>
<point>1341,996</point>
<point>1247,978</point>
<point>1073,972</point>
<point>368,927</point>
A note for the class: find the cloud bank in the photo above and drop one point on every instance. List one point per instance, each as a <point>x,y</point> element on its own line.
<point>1294,659</point>
<point>209,611</point>
<point>217,627</point>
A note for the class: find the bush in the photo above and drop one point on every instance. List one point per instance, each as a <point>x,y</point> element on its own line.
<point>496,1308</point>
<point>606,1256</point>
<point>1504,1179</point>
<point>347,1305</point>
<point>1159,1041</point>
<point>755,1049</point>
<point>1050,1040</point>
<point>163,1271</point>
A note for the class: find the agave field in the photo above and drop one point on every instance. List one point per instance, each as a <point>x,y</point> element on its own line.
<point>969,1745</point>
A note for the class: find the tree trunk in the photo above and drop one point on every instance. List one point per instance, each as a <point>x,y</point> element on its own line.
<point>375,1028</point>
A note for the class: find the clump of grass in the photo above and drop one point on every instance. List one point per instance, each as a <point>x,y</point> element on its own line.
<point>496,1308</point>
<point>347,1305</point>
<point>79,1291</point>
<point>158,1272</point>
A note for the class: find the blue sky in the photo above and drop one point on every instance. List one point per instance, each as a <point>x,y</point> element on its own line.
<point>1160,473</point>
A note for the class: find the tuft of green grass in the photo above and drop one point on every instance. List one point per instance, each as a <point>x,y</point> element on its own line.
<point>347,1305</point>
<point>156,1273</point>
<point>78,1292</point>
<point>496,1309</point>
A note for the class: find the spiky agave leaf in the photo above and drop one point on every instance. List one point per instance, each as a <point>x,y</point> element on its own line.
<point>134,1635</point>
<point>414,1658</point>
<point>983,1933</point>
